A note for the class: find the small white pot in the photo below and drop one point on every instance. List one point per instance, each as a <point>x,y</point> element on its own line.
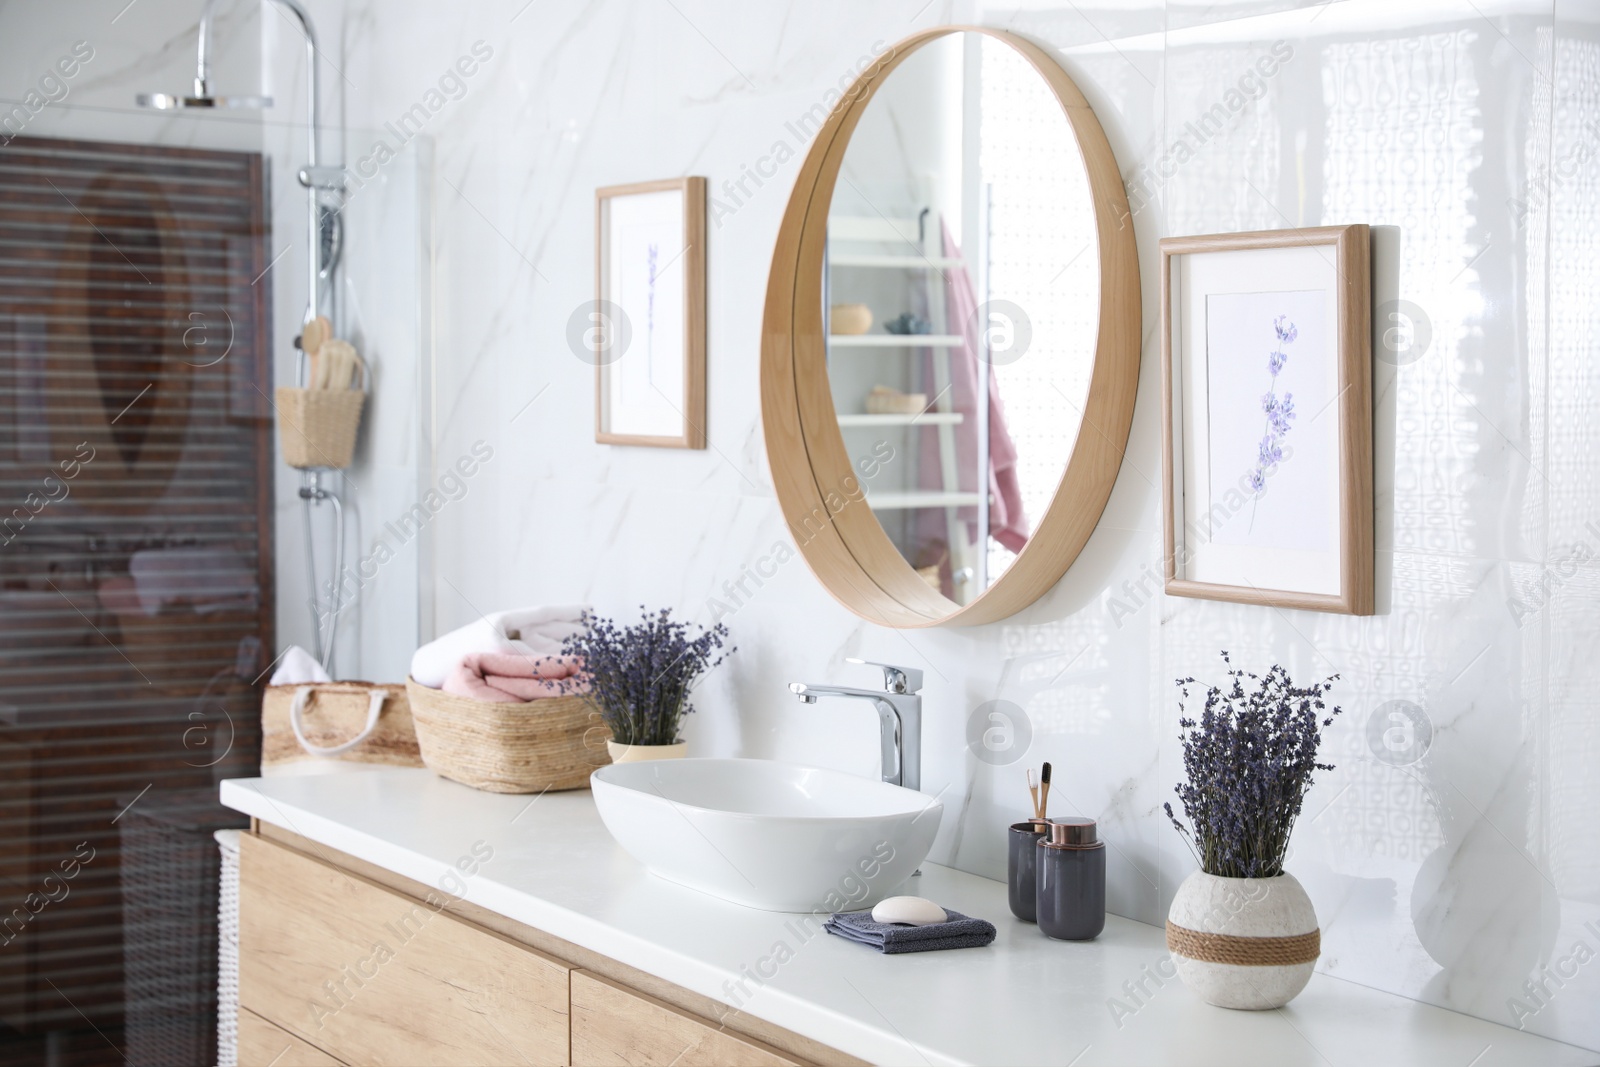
<point>1248,943</point>
<point>639,753</point>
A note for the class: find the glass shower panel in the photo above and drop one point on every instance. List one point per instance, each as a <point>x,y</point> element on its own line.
<point>152,541</point>
<point>136,556</point>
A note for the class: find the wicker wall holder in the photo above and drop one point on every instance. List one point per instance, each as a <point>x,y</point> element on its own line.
<point>553,743</point>
<point>317,427</point>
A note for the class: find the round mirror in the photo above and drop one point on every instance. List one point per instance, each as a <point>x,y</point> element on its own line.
<point>952,333</point>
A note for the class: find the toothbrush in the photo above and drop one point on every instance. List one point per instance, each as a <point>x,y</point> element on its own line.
<point>1033,791</point>
<point>1044,791</point>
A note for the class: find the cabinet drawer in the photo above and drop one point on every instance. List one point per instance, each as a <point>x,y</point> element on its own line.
<point>261,1044</point>
<point>612,1024</point>
<point>376,977</point>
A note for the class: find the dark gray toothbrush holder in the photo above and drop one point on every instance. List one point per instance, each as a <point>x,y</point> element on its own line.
<point>1021,870</point>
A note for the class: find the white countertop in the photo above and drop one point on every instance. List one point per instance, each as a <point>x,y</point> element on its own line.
<point>1023,1000</point>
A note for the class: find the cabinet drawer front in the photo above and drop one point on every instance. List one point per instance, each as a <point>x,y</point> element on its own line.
<point>375,977</point>
<point>261,1044</point>
<point>612,1024</point>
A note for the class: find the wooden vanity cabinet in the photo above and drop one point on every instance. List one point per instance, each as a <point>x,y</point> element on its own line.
<point>262,1043</point>
<point>341,962</point>
<point>615,1025</point>
<point>373,977</point>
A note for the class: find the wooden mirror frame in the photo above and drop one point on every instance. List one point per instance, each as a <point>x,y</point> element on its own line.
<point>822,500</point>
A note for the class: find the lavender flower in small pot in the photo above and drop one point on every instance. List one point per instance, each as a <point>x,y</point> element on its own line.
<point>638,678</point>
<point>1242,931</point>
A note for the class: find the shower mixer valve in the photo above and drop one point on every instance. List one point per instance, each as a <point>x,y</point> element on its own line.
<point>330,179</point>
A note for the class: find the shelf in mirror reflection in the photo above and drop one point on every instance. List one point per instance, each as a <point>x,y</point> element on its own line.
<point>874,228</point>
<point>894,340</point>
<point>929,499</point>
<point>921,418</point>
<point>895,262</point>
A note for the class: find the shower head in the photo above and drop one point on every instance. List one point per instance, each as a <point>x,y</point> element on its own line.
<point>317,178</point>
<point>169,102</point>
<point>204,99</point>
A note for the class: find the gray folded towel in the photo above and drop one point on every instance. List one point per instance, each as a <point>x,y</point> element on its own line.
<point>957,931</point>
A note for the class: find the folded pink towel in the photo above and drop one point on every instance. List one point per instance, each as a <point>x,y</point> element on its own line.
<point>509,678</point>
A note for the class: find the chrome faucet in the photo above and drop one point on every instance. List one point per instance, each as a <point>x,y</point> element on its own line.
<point>899,707</point>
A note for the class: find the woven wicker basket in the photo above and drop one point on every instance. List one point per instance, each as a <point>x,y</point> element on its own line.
<point>334,713</point>
<point>228,949</point>
<point>885,401</point>
<point>169,868</point>
<point>553,743</point>
<point>317,427</point>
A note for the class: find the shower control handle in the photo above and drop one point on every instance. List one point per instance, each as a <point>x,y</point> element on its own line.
<point>329,178</point>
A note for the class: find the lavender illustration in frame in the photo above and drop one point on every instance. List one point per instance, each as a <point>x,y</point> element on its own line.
<point>1279,412</point>
<point>1271,461</point>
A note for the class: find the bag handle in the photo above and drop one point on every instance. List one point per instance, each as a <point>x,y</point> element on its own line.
<point>297,707</point>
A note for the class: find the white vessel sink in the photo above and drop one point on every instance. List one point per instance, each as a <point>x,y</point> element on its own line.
<point>775,836</point>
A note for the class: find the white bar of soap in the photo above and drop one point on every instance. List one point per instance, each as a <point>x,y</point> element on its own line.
<point>912,911</point>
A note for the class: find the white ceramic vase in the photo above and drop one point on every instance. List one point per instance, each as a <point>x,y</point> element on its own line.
<point>639,753</point>
<point>1247,943</point>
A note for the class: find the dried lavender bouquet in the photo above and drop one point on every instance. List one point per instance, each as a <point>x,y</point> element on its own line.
<point>638,677</point>
<point>1249,759</point>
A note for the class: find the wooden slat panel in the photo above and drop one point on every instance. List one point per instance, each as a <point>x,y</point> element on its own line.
<point>375,977</point>
<point>106,251</point>
<point>612,1024</point>
<point>261,1044</point>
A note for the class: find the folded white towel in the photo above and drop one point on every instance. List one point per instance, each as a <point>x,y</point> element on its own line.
<point>298,667</point>
<point>535,631</point>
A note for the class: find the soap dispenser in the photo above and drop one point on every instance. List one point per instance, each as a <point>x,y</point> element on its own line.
<point>1070,897</point>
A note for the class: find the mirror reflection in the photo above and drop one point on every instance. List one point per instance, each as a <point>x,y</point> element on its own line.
<point>962,290</point>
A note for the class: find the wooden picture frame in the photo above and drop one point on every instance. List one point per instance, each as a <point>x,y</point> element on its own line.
<point>639,343</point>
<point>1289,310</point>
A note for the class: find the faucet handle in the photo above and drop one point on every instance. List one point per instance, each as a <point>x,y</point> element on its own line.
<point>895,679</point>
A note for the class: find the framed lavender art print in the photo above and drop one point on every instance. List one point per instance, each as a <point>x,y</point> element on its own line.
<point>1267,418</point>
<point>646,330</point>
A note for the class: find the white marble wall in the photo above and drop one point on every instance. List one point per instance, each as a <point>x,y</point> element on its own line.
<point>1467,130</point>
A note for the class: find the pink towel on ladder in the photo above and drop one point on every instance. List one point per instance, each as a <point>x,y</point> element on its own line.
<point>508,678</point>
<point>1007,522</point>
